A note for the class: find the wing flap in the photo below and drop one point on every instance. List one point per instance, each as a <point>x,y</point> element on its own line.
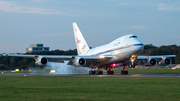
<point>156,57</point>
<point>21,55</point>
<point>65,57</point>
<point>51,58</point>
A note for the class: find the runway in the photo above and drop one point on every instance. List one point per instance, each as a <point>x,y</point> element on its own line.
<point>104,75</point>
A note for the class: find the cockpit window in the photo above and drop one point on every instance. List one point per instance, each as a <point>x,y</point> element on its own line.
<point>133,37</point>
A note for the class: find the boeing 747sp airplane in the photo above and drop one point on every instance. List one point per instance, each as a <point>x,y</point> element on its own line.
<point>121,50</point>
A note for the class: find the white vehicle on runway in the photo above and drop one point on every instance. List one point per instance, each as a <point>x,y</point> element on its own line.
<point>121,50</point>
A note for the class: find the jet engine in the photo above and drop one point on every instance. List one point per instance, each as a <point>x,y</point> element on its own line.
<point>80,62</point>
<point>151,62</point>
<point>165,61</point>
<point>41,61</point>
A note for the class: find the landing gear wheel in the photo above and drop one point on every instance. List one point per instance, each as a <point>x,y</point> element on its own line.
<point>100,72</point>
<point>95,72</point>
<point>110,72</point>
<point>132,66</point>
<point>90,72</point>
<point>124,72</point>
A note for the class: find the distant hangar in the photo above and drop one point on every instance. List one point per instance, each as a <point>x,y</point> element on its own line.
<point>36,48</point>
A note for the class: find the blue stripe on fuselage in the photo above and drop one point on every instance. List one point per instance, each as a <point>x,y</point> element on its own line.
<point>119,48</point>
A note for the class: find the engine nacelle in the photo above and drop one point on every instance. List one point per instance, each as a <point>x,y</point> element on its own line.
<point>41,61</point>
<point>165,61</point>
<point>80,61</point>
<point>151,62</point>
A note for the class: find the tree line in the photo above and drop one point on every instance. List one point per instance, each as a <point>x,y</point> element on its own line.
<point>163,50</point>
<point>9,63</point>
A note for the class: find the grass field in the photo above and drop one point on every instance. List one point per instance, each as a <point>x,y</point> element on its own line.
<point>89,88</point>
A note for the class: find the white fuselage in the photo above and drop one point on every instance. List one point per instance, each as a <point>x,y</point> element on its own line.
<point>122,49</point>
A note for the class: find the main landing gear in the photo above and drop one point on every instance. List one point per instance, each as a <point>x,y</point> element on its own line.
<point>123,71</point>
<point>109,72</point>
<point>95,72</point>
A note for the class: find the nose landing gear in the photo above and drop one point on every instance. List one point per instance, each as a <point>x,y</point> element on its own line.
<point>123,71</point>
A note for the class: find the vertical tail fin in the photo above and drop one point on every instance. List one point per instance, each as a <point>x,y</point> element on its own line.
<point>81,44</point>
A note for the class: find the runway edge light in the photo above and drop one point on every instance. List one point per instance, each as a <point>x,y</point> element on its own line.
<point>52,71</point>
<point>17,70</point>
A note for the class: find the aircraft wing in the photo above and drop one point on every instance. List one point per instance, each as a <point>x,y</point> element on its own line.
<point>153,60</point>
<point>50,58</point>
<point>61,58</point>
<point>156,57</point>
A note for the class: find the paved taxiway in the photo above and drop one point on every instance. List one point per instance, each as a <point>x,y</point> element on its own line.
<point>86,75</point>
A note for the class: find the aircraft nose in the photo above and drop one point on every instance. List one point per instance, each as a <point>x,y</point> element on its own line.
<point>137,49</point>
<point>140,47</point>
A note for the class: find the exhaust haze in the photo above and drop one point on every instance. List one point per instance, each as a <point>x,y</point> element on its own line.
<point>63,68</point>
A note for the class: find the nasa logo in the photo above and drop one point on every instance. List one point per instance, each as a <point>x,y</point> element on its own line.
<point>78,41</point>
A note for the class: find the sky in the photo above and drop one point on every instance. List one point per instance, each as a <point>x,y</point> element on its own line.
<point>49,22</point>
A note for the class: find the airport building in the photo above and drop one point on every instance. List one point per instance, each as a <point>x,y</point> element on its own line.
<point>36,48</point>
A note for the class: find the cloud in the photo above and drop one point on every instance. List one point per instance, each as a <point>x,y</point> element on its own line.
<point>164,7</point>
<point>138,27</point>
<point>125,4</point>
<point>11,7</point>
